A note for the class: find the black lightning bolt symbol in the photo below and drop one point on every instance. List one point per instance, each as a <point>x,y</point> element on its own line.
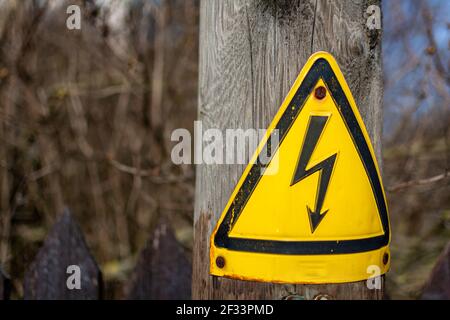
<point>314,131</point>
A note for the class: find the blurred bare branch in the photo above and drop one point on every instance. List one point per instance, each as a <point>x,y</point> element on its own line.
<point>419,182</point>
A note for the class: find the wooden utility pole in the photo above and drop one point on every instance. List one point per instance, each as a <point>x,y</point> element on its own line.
<point>251,51</point>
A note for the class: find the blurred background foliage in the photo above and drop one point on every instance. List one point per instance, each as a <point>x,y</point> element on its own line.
<point>416,145</point>
<point>86,117</point>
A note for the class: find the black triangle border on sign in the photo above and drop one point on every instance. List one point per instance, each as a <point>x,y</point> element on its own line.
<point>321,69</point>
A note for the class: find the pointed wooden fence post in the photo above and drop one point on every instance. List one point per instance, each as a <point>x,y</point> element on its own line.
<point>63,259</point>
<point>251,51</point>
<point>5,286</point>
<point>438,285</point>
<point>163,270</point>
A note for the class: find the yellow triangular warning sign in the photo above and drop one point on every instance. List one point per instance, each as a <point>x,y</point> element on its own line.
<point>316,213</point>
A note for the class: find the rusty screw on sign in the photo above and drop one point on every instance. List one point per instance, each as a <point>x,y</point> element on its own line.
<point>220,262</point>
<point>320,92</point>
<point>385,258</point>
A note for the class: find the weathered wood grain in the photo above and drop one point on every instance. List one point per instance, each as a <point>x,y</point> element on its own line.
<point>340,28</point>
<point>437,286</point>
<point>163,270</point>
<point>5,286</point>
<point>251,51</point>
<point>46,279</point>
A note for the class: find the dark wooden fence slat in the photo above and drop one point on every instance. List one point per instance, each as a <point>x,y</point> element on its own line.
<point>162,270</point>
<point>47,276</point>
<point>438,285</point>
<point>5,286</point>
